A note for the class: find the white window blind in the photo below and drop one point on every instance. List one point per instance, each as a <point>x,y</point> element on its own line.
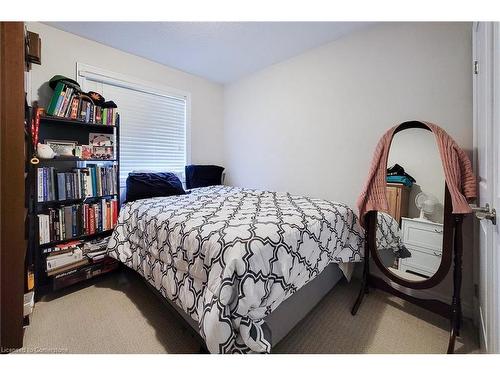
<point>152,129</point>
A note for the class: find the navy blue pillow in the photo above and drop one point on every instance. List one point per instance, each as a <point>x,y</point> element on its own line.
<point>203,175</point>
<point>148,185</point>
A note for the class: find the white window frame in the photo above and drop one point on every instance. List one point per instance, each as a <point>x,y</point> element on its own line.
<point>85,71</point>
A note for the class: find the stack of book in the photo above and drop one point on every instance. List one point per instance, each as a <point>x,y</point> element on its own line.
<point>68,256</point>
<point>86,272</point>
<point>96,249</point>
<point>68,102</point>
<point>77,220</point>
<point>46,184</point>
<point>92,181</point>
<point>74,254</point>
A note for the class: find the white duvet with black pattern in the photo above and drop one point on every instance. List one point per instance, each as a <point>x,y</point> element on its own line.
<point>229,256</point>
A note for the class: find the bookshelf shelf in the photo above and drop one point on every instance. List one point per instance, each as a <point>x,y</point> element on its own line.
<point>72,201</point>
<point>64,129</point>
<point>70,159</point>
<point>66,121</point>
<point>84,237</point>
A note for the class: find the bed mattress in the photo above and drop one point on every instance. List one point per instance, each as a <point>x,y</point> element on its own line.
<point>228,257</point>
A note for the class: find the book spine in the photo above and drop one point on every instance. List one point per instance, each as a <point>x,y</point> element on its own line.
<point>52,184</point>
<point>94,181</point>
<point>115,218</point>
<point>78,187</point>
<point>108,214</point>
<point>45,187</point>
<point>56,225</point>
<point>99,180</point>
<point>40,229</point>
<point>55,98</point>
<point>59,101</point>
<point>85,219</point>
<point>91,113</point>
<point>92,219</point>
<point>87,112</point>
<point>61,189</point>
<point>67,105</point>
<point>67,184</point>
<point>74,107</point>
<point>68,222</point>
<point>103,214</point>
<point>98,218</point>
<point>74,230</point>
<point>64,101</point>
<point>61,224</point>
<point>51,227</point>
<point>97,114</point>
<point>40,184</point>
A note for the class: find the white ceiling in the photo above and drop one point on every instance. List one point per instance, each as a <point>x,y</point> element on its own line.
<point>219,51</point>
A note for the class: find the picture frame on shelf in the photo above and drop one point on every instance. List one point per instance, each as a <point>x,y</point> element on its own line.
<point>101,139</point>
<point>62,147</point>
<point>102,152</point>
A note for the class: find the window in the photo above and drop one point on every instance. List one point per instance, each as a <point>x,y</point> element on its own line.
<point>153,123</point>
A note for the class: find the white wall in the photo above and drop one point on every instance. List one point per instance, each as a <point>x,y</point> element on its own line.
<point>309,125</point>
<point>61,51</point>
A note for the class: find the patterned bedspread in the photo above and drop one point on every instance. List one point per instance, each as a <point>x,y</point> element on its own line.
<point>389,236</point>
<point>229,256</point>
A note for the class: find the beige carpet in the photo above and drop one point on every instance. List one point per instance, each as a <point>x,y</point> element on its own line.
<point>119,314</point>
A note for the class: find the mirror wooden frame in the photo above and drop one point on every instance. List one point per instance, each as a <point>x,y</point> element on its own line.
<point>452,248</point>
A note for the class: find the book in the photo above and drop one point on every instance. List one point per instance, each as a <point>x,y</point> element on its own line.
<point>62,107</point>
<point>68,226</point>
<point>52,185</point>
<point>91,214</point>
<point>74,107</point>
<point>40,184</point>
<point>62,228</point>
<point>45,185</point>
<point>68,267</point>
<point>67,104</point>
<point>58,260</point>
<point>98,115</point>
<point>61,187</point>
<point>55,98</point>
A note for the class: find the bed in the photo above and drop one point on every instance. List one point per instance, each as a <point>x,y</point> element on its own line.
<point>241,266</point>
<point>389,242</point>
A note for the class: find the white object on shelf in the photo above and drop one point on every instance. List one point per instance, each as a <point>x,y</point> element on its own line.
<point>424,239</point>
<point>29,302</point>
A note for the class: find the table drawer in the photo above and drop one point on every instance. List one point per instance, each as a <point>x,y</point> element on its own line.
<point>423,235</point>
<point>427,262</point>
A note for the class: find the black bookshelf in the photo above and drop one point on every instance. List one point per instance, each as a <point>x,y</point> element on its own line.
<point>69,122</point>
<point>56,128</point>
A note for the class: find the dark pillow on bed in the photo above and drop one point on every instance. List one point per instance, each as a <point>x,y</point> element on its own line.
<point>148,185</point>
<point>203,175</point>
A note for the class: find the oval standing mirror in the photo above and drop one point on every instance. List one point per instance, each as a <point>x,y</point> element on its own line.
<point>410,235</point>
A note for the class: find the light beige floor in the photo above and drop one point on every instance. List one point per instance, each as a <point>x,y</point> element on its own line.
<point>119,314</point>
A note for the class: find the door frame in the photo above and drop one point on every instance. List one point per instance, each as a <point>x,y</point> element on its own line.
<point>489,334</point>
<point>12,191</point>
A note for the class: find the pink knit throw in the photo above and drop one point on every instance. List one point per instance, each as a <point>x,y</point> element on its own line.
<point>457,172</point>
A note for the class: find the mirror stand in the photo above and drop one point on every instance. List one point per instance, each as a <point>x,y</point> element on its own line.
<point>452,311</point>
